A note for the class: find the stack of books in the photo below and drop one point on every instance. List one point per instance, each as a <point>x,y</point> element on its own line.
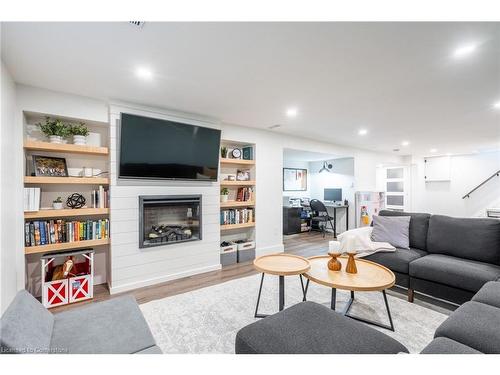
<point>244,194</point>
<point>100,198</point>
<point>45,232</point>
<point>31,199</point>
<point>236,216</point>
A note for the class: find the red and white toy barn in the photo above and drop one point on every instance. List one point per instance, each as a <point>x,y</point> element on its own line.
<point>67,277</point>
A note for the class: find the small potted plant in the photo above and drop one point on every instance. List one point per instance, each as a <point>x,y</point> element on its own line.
<point>57,203</point>
<point>224,194</point>
<point>55,130</point>
<point>223,152</point>
<point>79,132</point>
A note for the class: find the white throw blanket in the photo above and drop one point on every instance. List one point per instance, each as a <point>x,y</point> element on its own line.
<point>359,240</point>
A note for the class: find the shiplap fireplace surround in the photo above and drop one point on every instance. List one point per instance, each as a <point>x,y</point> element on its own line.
<point>131,266</point>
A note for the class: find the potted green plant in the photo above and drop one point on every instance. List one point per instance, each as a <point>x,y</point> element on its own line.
<point>224,194</point>
<point>55,130</point>
<point>79,132</point>
<point>223,152</point>
<point>57,203</point>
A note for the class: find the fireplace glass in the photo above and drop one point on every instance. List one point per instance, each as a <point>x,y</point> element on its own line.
<point>165,220</point>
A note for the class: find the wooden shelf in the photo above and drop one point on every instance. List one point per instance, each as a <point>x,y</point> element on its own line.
<point>237,183</point>
<point>67,148</point>
<point>237,204</point>
<point>66,180</point>
<point>237,161</point>
<point>237,226</point>
<point>64,246</point>
<point>65,213</point>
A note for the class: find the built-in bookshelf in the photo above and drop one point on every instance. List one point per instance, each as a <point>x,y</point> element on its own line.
<point>94,155</point>
<point>242,197</point>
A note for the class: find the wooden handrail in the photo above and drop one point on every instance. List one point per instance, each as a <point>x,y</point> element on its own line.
<point>496,174</point>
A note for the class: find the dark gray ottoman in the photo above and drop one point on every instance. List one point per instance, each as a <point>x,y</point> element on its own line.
<point>444,345</point>
<point>310,328</point>
<point>489,294</point>
<point>474,324</point>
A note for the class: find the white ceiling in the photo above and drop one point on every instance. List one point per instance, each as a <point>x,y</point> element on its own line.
<point>302,155</point>
<point>398,80</point>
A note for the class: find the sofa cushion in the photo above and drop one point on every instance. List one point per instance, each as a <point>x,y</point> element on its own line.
<point>459,273</point>
<point>115,326</point>
<point>419,224</point>
<point>308,328</point>
<point>398,260</point>
<point>394,230</point>
<point>468,238</point>
<point>489,294</point>
<point>474,324</point>
<point>26,326</point>
<point>444,345</point>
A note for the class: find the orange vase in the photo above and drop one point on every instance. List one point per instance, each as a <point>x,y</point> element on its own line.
<point>351,264</point>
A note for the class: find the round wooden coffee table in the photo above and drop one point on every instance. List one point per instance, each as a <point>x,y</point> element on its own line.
<point>281,265</point>
<point>371,276</point>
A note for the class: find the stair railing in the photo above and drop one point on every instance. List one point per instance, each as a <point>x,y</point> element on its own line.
<point>496,174</point>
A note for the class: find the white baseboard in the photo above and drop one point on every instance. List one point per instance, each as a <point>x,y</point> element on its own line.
<point>162,279</point>
<point>270,249</point>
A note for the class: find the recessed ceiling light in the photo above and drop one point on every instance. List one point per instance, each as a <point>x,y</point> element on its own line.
<point>433,150</point>
<point>464,51</point>
<point>362,132</point>
<point>405,143</point>
<point>144,73</point>
<point>496,105</point>
<point>291,112</point>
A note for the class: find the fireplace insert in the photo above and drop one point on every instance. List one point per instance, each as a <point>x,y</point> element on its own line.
<point>169,219</point>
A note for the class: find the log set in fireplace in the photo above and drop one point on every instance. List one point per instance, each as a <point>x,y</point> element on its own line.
<point>169,219</point>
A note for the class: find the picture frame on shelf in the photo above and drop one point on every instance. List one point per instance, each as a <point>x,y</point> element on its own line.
<point>243,175</point>
<point>48,166</point>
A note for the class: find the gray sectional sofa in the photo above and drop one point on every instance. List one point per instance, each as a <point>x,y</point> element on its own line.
<point>308,328</point>
<point>112,327</point>
<point>449,258</point>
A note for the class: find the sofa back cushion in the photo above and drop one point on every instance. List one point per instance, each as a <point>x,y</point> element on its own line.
<point>469,238</point>
<point>419,224</point>
<point>26,326</point>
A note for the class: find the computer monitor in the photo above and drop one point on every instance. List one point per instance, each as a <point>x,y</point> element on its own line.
<point>333,195</point>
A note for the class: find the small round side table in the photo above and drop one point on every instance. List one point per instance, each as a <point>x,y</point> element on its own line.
<point>281,265</point>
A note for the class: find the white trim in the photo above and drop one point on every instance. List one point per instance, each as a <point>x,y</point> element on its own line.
<point>162,279</point>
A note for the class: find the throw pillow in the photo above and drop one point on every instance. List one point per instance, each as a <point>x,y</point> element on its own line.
<point>392,229</point>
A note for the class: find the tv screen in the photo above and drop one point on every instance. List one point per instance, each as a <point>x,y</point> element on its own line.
<point>160,149</point>
<point>333,195</point>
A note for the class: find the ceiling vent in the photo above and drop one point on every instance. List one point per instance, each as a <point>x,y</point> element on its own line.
<point>276,126</point>
<point>138,24</point>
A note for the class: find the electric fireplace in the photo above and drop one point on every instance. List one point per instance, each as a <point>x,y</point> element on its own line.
<point>169,219</point>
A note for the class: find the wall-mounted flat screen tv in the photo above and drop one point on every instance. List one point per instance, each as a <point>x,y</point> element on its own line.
<point>159,149</point>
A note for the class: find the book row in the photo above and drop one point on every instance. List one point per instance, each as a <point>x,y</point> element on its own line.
<point>45,232</point>
<point>244,194</point>
<point>236,216</point>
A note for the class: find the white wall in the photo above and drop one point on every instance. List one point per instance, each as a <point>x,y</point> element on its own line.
<point>299,165</point>
<point>445,197</point>
<point>11,246</point>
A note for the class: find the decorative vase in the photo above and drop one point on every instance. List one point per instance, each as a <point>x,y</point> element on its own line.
<point>223,198</point>
<point>351,264</point>
<point>333,263</point>
<point>57,205</point>
<point>79,140</point>
<point>55,139</point>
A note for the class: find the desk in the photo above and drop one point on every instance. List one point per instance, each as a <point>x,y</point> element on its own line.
<point>335,207</point>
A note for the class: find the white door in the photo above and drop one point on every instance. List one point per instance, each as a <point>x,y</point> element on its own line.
<point>397,188</point>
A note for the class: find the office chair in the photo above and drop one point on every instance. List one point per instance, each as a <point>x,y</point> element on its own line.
<point>320,215</point>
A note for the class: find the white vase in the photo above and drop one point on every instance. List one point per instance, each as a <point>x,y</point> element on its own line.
<point>223,198</point>
<point>79,140</point>
<point>57,205</point>
<point>55,139</point>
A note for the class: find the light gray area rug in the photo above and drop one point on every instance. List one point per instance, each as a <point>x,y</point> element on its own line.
<point>207,320</point>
